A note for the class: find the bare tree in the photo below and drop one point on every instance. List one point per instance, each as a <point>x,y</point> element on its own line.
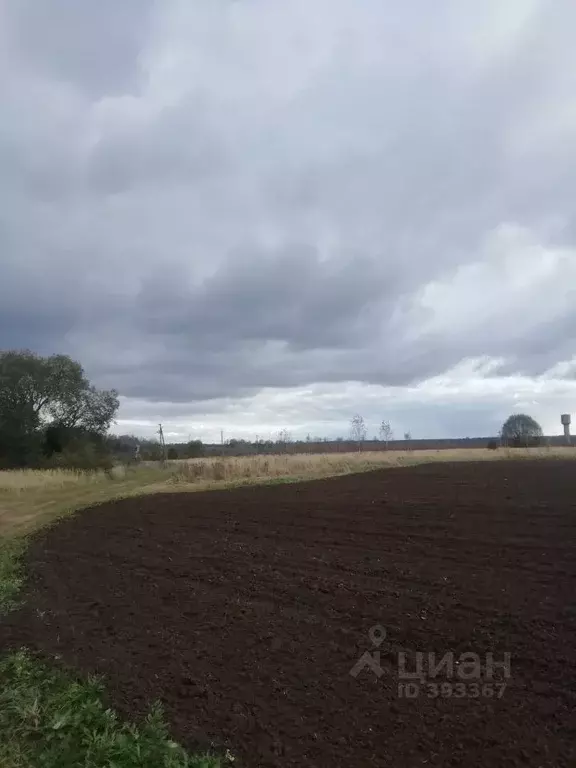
<point>284,437</point>
<point>386,433</point>
<point>358,430</point>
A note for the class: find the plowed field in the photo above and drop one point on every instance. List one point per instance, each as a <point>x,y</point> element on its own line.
<point>245,612</point>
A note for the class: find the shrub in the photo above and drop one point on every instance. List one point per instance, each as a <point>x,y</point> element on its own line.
<point>82,458</point>
<point>492,445</point>
<point>195,449</point>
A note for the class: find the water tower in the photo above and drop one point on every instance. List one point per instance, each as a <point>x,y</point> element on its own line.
<point>565,419</point>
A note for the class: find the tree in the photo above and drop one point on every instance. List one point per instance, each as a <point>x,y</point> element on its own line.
<point>284,437</point>
<point>172,453</point>
<point>151,450</point>
<point>34,382</point>
<point>54,389</point>
<point>195,449</point>
<point>124,447</point>
<point>358,430</point>
<point>40,393</point>
<point>386,433</point>
<point>521,431</point>
<point>86,407</point>
<point>407,436</point>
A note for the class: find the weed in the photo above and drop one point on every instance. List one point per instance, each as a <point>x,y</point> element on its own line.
<point>51,719</point>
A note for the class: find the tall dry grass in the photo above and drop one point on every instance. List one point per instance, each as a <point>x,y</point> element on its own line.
<point>251,468</point>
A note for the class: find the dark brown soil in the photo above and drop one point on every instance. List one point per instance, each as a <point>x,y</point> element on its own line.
<point>245,611</point>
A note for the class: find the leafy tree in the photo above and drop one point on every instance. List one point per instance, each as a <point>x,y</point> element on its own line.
<point>40,393</point>
<point>172,453</point>
<point>20,438</point>
<point>87,408</point>
<point>521,431</point>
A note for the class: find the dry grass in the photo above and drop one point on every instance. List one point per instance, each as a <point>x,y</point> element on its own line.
<point>22,480</point>
<point>30,498</point>
<point>254,468</point>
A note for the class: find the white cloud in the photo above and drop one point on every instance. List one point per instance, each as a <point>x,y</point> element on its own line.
<point>468,400</point>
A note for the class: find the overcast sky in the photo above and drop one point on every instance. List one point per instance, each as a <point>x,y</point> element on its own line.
<point>256,214</point>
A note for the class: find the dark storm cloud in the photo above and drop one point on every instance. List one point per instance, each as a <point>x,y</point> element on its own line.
<point>545,346</point>
<point>199,200</point>
<point>37,309</point>
<point>289,296</point>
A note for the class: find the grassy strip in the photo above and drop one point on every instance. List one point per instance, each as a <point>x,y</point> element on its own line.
<point>11,573</point>
<point>50,720</point>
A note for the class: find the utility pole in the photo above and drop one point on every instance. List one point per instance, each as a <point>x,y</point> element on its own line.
<point>162,443</point>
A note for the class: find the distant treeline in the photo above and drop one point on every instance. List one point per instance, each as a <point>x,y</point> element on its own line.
<point>127,447</point>
<point>244,448</point>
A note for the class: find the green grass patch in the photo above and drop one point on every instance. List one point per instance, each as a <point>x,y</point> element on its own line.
<point>11,573</point>
<point>50,719</point>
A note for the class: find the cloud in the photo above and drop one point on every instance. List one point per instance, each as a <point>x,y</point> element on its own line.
<point>467,400</point>
<point>93,46</point>
<point>211,202</point>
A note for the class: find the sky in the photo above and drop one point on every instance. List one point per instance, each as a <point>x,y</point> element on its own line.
<point>255,215</point>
